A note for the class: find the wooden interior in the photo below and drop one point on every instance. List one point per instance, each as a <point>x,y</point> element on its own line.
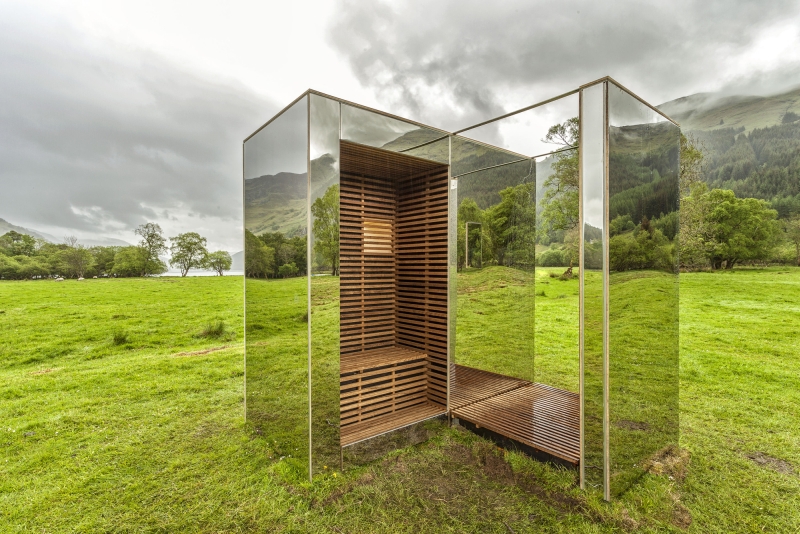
<point>538,416</point>
<point>393,289</point>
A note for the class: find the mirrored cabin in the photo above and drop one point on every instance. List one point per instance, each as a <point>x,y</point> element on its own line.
<point>517,278</point>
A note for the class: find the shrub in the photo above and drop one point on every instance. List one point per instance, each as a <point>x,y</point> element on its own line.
<point>551,258</point>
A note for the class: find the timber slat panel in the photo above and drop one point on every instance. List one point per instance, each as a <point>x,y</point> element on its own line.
<point>393,290</point>
<point>540,416</point>
<point>360,431</point>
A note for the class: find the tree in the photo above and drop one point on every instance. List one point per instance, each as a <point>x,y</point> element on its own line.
<point>560,198</point>
<point>130,261</point>
<point>287,270</point>
<point>75,258</point>
<point>792,229</point>
<point>326,228</point>
<point>692,164</point>
<point>744,228</point>
<point>218,261</point>
<point>153,243</point>
<point>188,251</point>
<point>16,244</point>
<point>259,259</point>
<point>104,259</point>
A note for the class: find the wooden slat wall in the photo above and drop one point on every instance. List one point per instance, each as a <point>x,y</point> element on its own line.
<point>367,277</point>
<point>421,236</point>
<point>393,258</point>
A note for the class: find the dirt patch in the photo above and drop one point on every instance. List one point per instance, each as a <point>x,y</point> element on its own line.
<point>776,464</point>
<point>681,517</point>
<point>670,461</point>
<point>494,465</point>
<point>631,425</point>
<point>45,371</point>
<point>199,352</point>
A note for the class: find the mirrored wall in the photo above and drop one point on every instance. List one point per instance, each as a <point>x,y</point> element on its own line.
<point>643,202</point>
<point>276,284</point>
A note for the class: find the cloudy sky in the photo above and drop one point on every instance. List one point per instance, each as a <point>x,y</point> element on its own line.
<point>115,113</point>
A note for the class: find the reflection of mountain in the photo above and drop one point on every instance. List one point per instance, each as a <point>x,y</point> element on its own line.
<point>415,138</point>
<point>643,168</point>
<point>277,203</point>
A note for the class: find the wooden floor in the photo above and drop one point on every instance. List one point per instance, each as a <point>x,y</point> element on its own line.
<point>539,416</point>
<point>408,416</point>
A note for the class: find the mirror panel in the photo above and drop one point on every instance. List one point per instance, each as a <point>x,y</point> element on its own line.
<point>592,253</point>
<point>276,302</point>
<point>323,251</point>
<point>527,132</point>
<point>373,129</point>
<point>643,168</point>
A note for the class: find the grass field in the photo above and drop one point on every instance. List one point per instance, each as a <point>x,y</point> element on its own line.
<point>121,411</point>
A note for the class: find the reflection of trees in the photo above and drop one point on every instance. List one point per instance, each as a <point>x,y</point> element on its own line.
<point>507,229</point>
<point>560,198</point>
<point>264,255</point>
<point>325,211</point>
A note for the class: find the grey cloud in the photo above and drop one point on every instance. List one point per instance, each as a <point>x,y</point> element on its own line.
<point>96,137</point>
<point>454,63</point>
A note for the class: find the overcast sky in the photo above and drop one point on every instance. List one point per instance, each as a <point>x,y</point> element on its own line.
<point>116,113</point>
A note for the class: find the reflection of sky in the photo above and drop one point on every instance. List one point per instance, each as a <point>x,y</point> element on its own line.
<point>523,132</point>
<point>280,146</point>
<point>324,134</point>
<point>367,128</point>
<point>625,110</point>
<point>592,148</point>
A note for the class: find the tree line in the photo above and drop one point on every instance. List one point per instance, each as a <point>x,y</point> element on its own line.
<point>24,257</point>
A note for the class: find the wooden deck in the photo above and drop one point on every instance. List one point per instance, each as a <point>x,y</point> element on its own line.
<point>538,416</point>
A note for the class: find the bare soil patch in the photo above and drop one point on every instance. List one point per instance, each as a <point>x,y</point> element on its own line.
<point>770,462</point>
<point>199,352</point>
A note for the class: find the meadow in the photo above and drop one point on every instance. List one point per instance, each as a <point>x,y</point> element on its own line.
<point>121,410</point>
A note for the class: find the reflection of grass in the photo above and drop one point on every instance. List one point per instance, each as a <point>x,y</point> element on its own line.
<point>643,370</point>
<point>146,440</point>
<point>494,324</point>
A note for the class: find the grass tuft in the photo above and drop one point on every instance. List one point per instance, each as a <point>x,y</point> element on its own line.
<point>119,338</point>
<point>213,330</point>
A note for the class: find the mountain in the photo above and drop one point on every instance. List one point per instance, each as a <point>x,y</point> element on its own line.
<point>751,143</point>
<point>6,227</point>
<point>238,261</point>
<point>713,111</point>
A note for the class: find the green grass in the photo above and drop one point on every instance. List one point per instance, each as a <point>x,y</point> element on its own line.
<point>148,435</point>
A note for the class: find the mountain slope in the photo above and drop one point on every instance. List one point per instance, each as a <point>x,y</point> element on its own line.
<point>710,111</point>
<point>6,227</point>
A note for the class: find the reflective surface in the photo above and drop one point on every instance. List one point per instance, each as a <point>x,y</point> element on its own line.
<point>372,129</point>
<point>496,225</point>
<point>643,166</point>
<point>324,281</point>
<point>592,252</point>
<point>276,297</point>
<point>526,132</point>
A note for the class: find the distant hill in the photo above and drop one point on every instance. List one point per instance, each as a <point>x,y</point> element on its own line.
<point>751,143</point>
<point>711,111</point>
<point>238,261</point>
<point>6,227</point>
